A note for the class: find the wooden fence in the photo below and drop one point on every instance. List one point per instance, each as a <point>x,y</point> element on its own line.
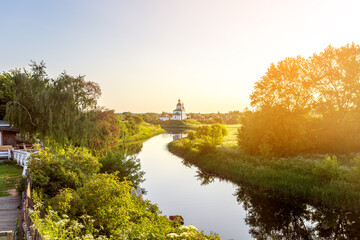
<point>27,229</point>
<point>8,234</point>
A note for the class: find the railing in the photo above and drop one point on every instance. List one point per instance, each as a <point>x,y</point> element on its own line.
<point>8,234</point>
<point>22,158</point>
<point>5,151</point>
<point>27,228</point>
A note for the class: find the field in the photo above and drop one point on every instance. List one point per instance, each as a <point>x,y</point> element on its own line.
<point>231,139</point>
<point>8,178</point>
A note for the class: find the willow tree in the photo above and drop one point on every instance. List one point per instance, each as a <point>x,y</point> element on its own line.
<point>6,91</point>
<point>59,109</point>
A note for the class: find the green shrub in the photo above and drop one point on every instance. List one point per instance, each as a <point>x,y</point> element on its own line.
<point>54,226</point>
<point>188,144</point>
<point>61,168</point>
<point>191,135</point>
<point>125,167</point>
<point>115,212</point>
<point>327,169</point>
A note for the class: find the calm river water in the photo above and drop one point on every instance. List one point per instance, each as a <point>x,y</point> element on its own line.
<point>233,211</point>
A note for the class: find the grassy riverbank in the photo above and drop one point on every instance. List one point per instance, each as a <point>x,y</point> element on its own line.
<point>180,125</point>
<point>146,130</point>
<point>9,175</point>
<point>314,178</point>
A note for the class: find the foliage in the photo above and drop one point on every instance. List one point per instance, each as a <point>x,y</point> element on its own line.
<point>108,130</point>
<point>327,169</point>
<point>52,108</point>
<point>145,130</point>
<point>191,135</point>
<point>306,105</point>
<point>58,227</point>
<point>6,91</point>
<point>206,137</point>
<point>116,213</point>
<point>61,168</point>
<point>273,132</point>
<point>152,118</point>
<point>314,178</point>
<point>123,166</point>
<point>213,134</point>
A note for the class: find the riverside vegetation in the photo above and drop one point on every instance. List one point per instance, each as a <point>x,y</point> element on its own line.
<point>81,188</point>
<point>302,138</point>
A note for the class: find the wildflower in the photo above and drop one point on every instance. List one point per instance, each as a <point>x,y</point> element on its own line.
<point>192,227</point>
<point>184,234</point>
<point>172,235</point>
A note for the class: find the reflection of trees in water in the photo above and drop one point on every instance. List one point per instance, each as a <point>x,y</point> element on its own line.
<point>131,148</point>
<point>204,177</point>
<point>271,217</point>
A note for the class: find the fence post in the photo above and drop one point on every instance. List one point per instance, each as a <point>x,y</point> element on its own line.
<point>10,235</point>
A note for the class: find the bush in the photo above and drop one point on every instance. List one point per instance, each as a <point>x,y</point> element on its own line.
<point>116,213</point>
<point>327,169</point>
<point>123,166</point>
<point>191,135</point>
<point>61,168</point>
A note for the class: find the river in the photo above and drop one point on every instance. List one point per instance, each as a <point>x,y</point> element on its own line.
<point>233,211</point>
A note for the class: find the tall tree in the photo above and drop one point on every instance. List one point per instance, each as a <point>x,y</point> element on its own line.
<point>59,108</point>
<point>6,92</point>
<point>302,100</point>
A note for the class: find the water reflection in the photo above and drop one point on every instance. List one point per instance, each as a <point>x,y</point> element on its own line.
<point>178,136</point>
<point>272,217</point>
<point>131,148</point>
<point>204,178</point>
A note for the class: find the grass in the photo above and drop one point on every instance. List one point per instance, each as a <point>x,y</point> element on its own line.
<point>146,130</point>
<point>231,139</point>
<point>9,175</point>
<point>180,124</point>
<point>287,177</point>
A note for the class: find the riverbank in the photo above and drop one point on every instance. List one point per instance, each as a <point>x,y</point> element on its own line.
<point>180,125</point>
<point>315,179</point>
<point>146,130</point>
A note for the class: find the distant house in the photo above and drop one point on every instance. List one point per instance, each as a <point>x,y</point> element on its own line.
<point>164,118</point>
<point>179,113</point>
<point>8,135</point>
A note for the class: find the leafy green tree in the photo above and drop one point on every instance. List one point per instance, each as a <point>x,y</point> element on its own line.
<point>300,101</point>
<point>109,129</point>
<point>210,136</point>
<point>6,91</point>
<point>59,109</point>
<point>123,166</point>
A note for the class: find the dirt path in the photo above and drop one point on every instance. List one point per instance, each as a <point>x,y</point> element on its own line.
<point>9,212</point>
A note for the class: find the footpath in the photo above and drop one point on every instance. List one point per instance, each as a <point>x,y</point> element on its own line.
<point>9,211</point>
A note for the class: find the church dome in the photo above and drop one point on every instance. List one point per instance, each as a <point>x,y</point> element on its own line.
<point>178,106</point>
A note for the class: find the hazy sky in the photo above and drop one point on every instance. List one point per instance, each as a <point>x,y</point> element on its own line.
<point>145,54</point>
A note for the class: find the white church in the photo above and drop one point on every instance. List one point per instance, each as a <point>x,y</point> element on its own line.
<point>179,112</point>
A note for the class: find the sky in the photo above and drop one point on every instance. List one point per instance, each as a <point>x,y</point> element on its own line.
<point>146,54</point>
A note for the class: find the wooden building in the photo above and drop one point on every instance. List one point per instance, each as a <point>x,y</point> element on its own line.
<point>8,135</point>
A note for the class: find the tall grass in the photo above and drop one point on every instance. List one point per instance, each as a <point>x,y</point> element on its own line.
<point>295,177</point>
